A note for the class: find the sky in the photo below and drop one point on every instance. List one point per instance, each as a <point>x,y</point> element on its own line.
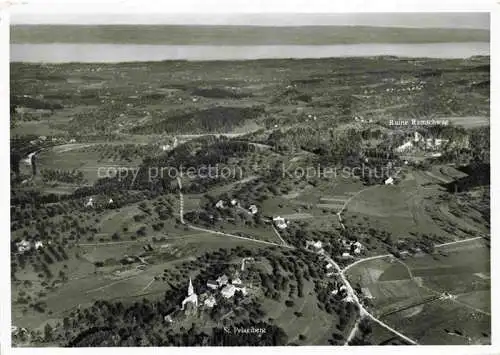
<point>236,12</point>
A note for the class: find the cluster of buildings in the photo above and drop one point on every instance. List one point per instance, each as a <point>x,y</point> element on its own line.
<point>90,203</point>
<point>362,119</point>
<point>418,141</point>
<point>223,285</point>
<point>174,145</point>
<point>24,245</point>
<point>351,248</point>
<point>223,204</point>
<point>59,140</point>
<point>339,290</point>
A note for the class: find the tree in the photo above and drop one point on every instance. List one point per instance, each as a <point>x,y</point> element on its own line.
<point>48,332</point>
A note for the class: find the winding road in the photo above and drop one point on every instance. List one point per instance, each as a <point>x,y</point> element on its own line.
<point>351,294</point>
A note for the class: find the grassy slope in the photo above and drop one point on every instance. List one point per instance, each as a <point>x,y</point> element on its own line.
<point>238,35</point>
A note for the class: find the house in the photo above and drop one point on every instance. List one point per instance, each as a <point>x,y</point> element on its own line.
<point>404,147</point>
<point>210,302</point>
<point>329,266</point>
<point>90,202</point>
<point>356,247</point>
<point>165,147</point>
<point>222,280</point>
<point>417,137</point>
<point>316,245</point>
<point>38,244</point>
<point>366,293</point>
<point>234,202</point>
<point>280,222</point>
<point>228,291</point>
<point>23,246</point>
<point>236,281</point>
<point>243,290</point>
<point>253,209</point>
<point>243,262</point>
<point>389,181</point>
<point>168,318</point>
<point>212,284</point>
<point>220,204</point>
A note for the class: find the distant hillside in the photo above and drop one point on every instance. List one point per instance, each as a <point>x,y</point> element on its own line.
<point>239,35</point>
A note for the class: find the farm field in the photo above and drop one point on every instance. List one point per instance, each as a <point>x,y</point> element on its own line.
<point>453,281</point>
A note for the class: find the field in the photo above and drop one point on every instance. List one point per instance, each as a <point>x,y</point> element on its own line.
<point>449,291</point>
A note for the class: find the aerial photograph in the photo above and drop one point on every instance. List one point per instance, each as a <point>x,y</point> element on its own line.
<point>250,180</point>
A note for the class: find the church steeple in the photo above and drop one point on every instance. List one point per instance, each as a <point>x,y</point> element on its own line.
<point>190,288</point>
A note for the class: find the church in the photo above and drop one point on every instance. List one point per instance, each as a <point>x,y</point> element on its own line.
<point>191,299</point>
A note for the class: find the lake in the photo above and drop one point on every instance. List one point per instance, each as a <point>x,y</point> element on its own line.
<point>64,53</point>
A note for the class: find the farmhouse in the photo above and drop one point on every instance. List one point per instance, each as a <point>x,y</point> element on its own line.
<point>356,247</point>
<point>228,291</point>
<point>222,280</point>
<point>90,202</point>
<point>316,245</point>
<point>210,302</point>
<point>253,209</point>
<point>220,204</point>
<point>23,246</point>
<point>212,284</point>
<point>280,222</point>
<point>404,147</point>
<point>236,281</point>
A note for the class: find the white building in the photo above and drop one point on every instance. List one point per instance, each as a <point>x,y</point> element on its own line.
<point>234,202</point>
<point>222,280</point>
<point>38,244</point>
<point>220,204</point>
<point>243,290</point>
<point>90,202</point>
<point>358,247</point>
<point>315,245</point>
<point>417,137</point>
<point>228,291</point>
<point>389,181</point>
<point>253,209</point>
<point>236,281</point>
<point>211,284</point>
<point>404,147</point>
<point>210,302</point>
<point>280,222</point>
<point>243,262</point>
<point>329,266</point>
<point>23,246</point>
